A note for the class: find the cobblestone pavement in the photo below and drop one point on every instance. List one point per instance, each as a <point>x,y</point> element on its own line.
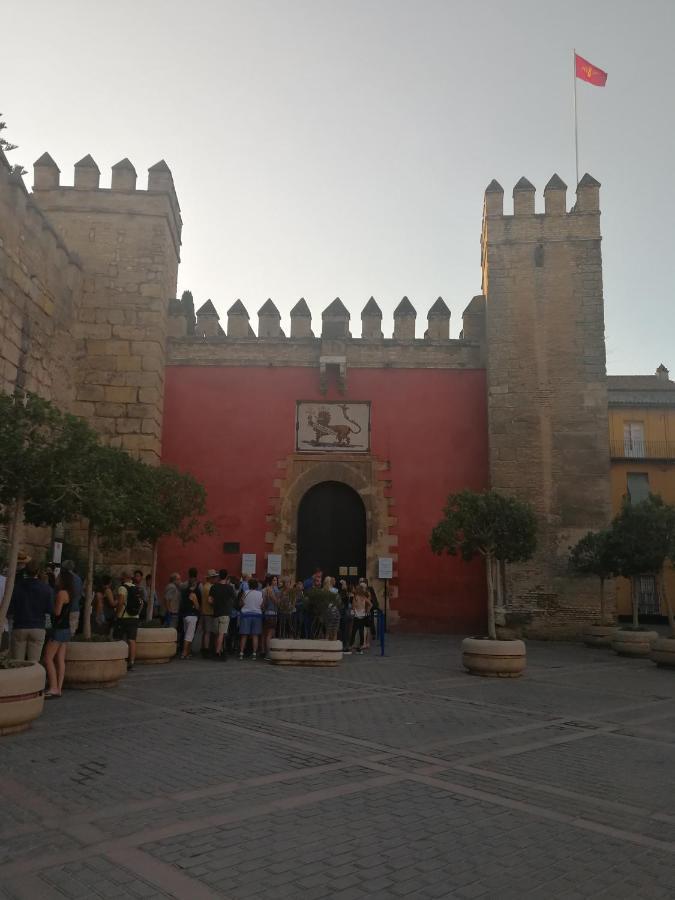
<point>386,777</point>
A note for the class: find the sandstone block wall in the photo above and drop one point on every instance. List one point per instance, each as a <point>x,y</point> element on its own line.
<point>40,294</point>
<point>128,242</point>
<point>547,394</point>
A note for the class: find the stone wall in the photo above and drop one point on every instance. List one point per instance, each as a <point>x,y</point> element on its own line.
<point>547,394</point>
<point>40,294</point>
<point>128,241</point>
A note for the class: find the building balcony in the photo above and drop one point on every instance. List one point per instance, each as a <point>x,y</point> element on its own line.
<point>661,451</point>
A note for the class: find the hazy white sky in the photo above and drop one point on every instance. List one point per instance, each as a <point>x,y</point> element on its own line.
<point>325,148</point>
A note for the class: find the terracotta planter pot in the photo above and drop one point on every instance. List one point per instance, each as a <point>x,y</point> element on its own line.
<point>95,664</point>
<point>499,659</point>
<point>663,652</point>
<point>633,643</point>
<point>21,697</point>
<point>156,645</point>
<point>305,653</point>
<point>598,635</point>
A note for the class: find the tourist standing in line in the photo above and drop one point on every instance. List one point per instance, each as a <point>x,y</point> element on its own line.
<point>31,603</point>
<point>190,590</point>
<point>223,599</point>
<point>361,607</point>
<point>172,600</point>
<point>55,651</point>
<point>206,609</point>
<point>189,610</point>
<point>109,603</point>
<point>250,618</point>
<point>270,610</point>
<point>330,609</point>
<point>233,631</point>
<point>139,583</point>
<point>128,612</point>
<point>76,600</point>
<point>286,608</point>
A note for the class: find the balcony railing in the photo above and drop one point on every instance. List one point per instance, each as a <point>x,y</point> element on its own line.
<point>658,450</point>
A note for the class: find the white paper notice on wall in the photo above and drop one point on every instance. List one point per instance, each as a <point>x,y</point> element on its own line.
<point>58,552</point>
<point>248,563</point>
<point>385,567</point>
<point>274,563</point>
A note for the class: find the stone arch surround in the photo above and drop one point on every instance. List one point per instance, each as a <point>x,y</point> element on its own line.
<point>366,474</point>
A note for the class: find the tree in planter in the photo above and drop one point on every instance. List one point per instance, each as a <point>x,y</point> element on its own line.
<point>110,500</point>
<point>171,503</point>
<point>640,540</point>
<point>42,466</point>
<point>487,524</point>
<point>592,555</point>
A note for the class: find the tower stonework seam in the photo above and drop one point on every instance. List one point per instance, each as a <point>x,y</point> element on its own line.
<point>547,392</point>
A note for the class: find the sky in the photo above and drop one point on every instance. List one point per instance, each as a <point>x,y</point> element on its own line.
<point>341,148</point>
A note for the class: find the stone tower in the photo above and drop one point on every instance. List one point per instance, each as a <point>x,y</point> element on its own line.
<point>547,395</point>
<point>128,243</point>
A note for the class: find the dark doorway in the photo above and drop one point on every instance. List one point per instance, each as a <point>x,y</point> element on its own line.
<point>331,530</point>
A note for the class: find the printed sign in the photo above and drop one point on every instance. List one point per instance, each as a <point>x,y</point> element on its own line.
<point>58,552</point>
<point>274,563</point>
<point>385,567</point>
<point>333,427</point>
<point>248,563</point>
<point>344,571</point>
<point>353,570</point>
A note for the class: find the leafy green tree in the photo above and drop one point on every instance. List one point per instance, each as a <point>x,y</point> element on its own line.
<point>43,456</point>
<point>491,525</point>
<point>169,502</point>
<point>110,500</point>
<point>593,555</point>
<point>642,538</point>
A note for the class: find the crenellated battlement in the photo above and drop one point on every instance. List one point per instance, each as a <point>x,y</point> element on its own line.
<point>335,323</point>
<point>86,194</point>
<point>555,199</point>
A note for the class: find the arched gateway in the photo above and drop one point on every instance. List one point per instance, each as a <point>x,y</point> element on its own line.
<point>331,530</point>
<point>355,488</point>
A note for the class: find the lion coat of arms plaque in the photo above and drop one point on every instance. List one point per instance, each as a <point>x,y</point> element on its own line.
<point>333,426</point>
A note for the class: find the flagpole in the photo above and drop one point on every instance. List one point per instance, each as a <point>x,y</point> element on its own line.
<point>576,124</point>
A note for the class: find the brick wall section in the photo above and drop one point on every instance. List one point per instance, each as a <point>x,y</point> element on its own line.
<point>128,241</point>
<point>547,395</point>
<point>40,291</point>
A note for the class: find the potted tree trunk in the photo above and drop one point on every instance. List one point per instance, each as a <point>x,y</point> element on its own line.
<point>592,556</point>
<point>108,498</point>
<point>500,529</point>
<point>174,504</point>
<point>641,537</point>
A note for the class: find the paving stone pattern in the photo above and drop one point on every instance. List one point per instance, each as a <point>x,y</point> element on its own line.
<point>394,777</point>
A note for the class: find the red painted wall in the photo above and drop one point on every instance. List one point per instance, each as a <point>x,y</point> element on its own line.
<point>229,426</point>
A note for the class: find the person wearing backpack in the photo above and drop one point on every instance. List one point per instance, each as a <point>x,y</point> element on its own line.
<point>129,603</point>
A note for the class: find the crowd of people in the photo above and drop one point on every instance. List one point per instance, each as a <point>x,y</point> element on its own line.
<point>224,614</point>
<point>241,614</point>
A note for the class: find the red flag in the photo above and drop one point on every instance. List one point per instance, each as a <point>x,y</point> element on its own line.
<point>588,72</point>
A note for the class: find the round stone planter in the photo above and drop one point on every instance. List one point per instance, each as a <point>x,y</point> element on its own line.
<point>155,645</point>
<point>663,652</point>
<point>305,653</point>
<point>21,697</point>
<point>633,643</point>
<point>598,635</point>
<point>498,659</point>
<point>95,664</point>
